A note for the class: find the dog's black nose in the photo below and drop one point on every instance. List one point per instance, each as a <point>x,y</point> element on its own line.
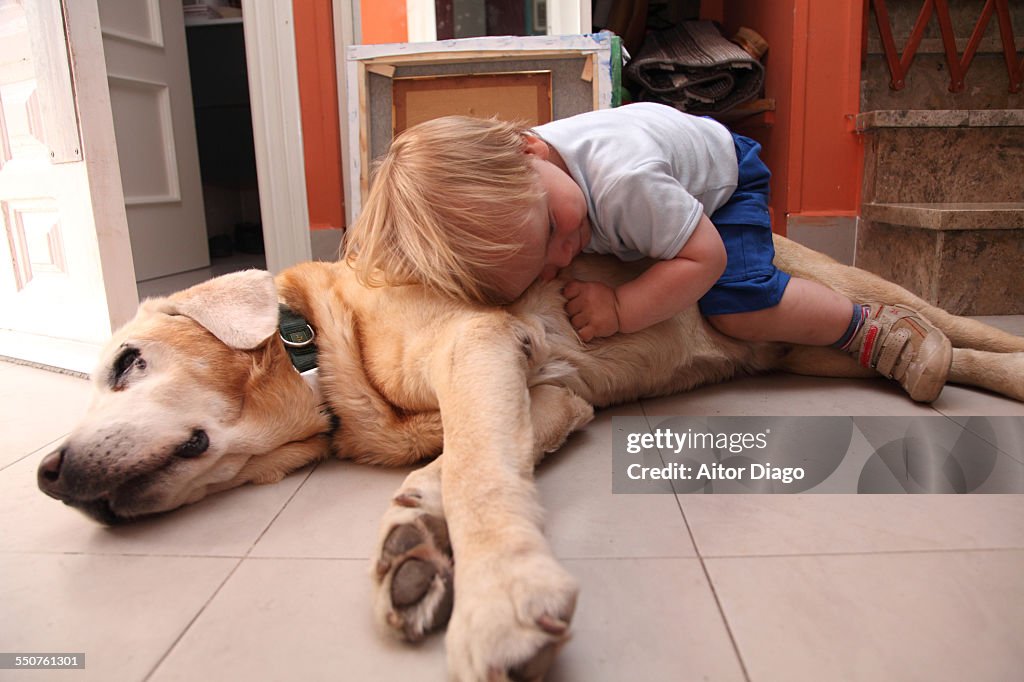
<point>48,475</point>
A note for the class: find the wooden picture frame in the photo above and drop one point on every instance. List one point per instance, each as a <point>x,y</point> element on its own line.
<point>574,73</point>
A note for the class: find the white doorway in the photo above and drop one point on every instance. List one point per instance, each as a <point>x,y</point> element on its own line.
<point>240,80</point>
<point>151,102</point>
<point>83,276</point>
<point>212,58</point>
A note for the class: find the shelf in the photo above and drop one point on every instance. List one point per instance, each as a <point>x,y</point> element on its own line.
<point>758,112</point>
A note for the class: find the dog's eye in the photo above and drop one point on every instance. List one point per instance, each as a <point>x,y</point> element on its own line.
<point>197,444</point>
<point>128,359</point>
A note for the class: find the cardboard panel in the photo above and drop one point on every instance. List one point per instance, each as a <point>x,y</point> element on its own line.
<point>522,97</point>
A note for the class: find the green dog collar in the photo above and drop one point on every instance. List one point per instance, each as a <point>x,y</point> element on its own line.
<point>299,339</point>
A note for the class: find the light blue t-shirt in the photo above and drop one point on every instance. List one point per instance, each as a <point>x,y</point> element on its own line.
<point>648,172</point>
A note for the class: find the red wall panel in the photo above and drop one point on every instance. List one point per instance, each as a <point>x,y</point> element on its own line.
<point>318,95</point>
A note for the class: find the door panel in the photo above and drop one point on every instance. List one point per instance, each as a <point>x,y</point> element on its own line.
<point>53,283</point>
<point>151,98</point>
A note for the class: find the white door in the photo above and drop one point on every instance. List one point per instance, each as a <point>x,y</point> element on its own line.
<point>66,276</point>
<point>151,97</point>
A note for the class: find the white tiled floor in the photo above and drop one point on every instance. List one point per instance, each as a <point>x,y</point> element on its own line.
<point>271,583</point>
<point>164,286</point>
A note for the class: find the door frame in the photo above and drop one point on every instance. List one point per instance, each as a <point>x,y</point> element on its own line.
<point>347,32</point>
<point>277,131</point>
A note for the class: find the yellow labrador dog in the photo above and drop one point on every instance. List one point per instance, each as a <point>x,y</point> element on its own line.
<point>197,394</point>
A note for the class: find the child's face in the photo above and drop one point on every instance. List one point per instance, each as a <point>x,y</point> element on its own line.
<point>556,232</point>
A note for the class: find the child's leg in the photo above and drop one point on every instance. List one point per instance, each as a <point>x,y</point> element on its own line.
<point>895,340</point>
<point>754,301</point>
<point>809,313</point>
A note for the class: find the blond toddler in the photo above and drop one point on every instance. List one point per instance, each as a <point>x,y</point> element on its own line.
<point>480,209</point>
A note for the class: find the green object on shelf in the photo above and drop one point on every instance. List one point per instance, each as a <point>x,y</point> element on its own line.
<point>617,89</point>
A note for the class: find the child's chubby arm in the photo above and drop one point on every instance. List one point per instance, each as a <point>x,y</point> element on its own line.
<point>664,289</point>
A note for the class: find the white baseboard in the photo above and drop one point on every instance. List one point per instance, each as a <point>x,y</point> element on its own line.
<point>834,236</point>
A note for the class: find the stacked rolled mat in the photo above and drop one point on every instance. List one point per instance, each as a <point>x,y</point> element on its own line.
<point>694,68</point>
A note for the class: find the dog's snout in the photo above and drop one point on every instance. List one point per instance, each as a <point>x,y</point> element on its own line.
<point>48,475</point>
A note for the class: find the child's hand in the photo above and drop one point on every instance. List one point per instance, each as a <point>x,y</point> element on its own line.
<point>592,308</point>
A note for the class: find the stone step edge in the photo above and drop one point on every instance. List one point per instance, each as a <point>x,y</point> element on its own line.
<point>948,216</point>
<point>939,118</point>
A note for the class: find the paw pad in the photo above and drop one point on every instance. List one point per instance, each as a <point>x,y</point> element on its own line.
<point>414,570</point>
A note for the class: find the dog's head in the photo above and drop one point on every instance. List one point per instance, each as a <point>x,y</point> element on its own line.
<point>188,399</point>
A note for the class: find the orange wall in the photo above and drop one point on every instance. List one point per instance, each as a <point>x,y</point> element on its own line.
<point>813,73</point>
<point>383,21</point>
<point>318,95</point>
<point>832,153</point>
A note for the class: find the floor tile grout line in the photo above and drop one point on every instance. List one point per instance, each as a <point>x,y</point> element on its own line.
<point>240,560</point>
<point>882,552</point>
<point>164,555</point>
<point>879,553</point>
<point>704,569</point>
<point>123,555</point>
<point>657,557</point>
<point>191,622</point>
<point>652,557</point>
<point>44,446</point>
<point>275,557</point>
<point>714,594</point>
<point>280,511</point>
<point>1019,460</point>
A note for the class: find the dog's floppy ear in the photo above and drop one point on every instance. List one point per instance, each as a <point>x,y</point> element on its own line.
<point>240,309</point>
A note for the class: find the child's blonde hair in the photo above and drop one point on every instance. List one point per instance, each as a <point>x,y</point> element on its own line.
<point>444,208</point>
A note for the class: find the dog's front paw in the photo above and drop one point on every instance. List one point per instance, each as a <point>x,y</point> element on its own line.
<point>413,570</point>
<point>511,619</point>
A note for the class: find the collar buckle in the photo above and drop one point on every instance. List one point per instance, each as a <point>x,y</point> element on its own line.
<point>298,338</point>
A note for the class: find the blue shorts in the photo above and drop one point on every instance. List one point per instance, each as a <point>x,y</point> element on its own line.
<point>750,281</point>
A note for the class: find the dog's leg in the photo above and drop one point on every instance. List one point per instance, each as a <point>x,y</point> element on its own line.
<point>400,440</point>
<point>371,430</point>
<point>999,372</point>
<point>862,286</point>
<point>514,601</point>
<point>817,361</point>
<point>967,333</point>
<point>555,413</point>
<point>413,573</point>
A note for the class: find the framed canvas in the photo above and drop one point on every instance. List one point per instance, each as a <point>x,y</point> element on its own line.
<point>532,79</point>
